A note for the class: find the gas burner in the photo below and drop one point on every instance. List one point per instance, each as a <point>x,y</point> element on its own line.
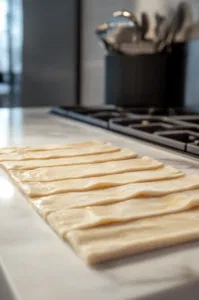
<point>175,128</point>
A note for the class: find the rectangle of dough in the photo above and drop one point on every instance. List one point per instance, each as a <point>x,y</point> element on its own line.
<point>37,189</point>
<point>136,215</point>
<point>87,170</point>
<point>64,221</point>
<point>77,160</point>
<point>58,153</point>
<point>114,241</point>
<point>112,195</point>
<point>48,147</point>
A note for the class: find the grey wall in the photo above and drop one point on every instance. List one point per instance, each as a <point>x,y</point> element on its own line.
<point>96,12</point>
<point>49,52</point>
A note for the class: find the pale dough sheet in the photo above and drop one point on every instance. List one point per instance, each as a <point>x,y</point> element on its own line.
<point>48,147</point>
<point>113,241</point>
<point>37,189</point>
<point>58,153</point>
<point>112,195</point>
<point>87,170</point>
<point>66,220</point>
<point>77,160</point>
<point>103,200</point>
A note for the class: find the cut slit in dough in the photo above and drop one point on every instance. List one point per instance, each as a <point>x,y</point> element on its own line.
<point>66,220</point>
<point>49,147</point>
<point>48,204</point>
<point>37,189</point>
<point>77,160</point>
<point>103,243</point>
<point>87,170</point>
<point>59,153</point>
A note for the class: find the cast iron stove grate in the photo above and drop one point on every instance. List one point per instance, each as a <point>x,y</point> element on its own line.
<point>175,128</point>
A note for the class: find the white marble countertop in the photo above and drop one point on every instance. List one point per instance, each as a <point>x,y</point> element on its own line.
<point>36,265</point>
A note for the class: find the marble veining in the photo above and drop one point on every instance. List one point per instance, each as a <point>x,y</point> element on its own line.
<point>41,266</point>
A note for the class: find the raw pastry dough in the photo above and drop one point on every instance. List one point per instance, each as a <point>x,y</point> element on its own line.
<point>113,241</point>
<point>68,152</point>
<point>101,204</point>
<point>112,195</point>
<point>87,170</point>
<point>37,189</point>
<point>48,147</point>
<point>136,208</point>
<point>77,160</point>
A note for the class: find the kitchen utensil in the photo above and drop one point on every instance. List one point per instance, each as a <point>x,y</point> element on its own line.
<point>144,25</point>
<point>159,26</point>
<point>174,27</point>
<point>182,35</point>
<point>101,32</point>
<point>119,20</point>
<point>161,30</point>
<point>123,17</point>
<point>118,28</point>
<point>123,28</point>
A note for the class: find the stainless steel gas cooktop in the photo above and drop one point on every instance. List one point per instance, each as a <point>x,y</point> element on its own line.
<point>175,128</point>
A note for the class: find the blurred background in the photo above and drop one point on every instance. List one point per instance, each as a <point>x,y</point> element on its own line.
<point>50,54</point>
